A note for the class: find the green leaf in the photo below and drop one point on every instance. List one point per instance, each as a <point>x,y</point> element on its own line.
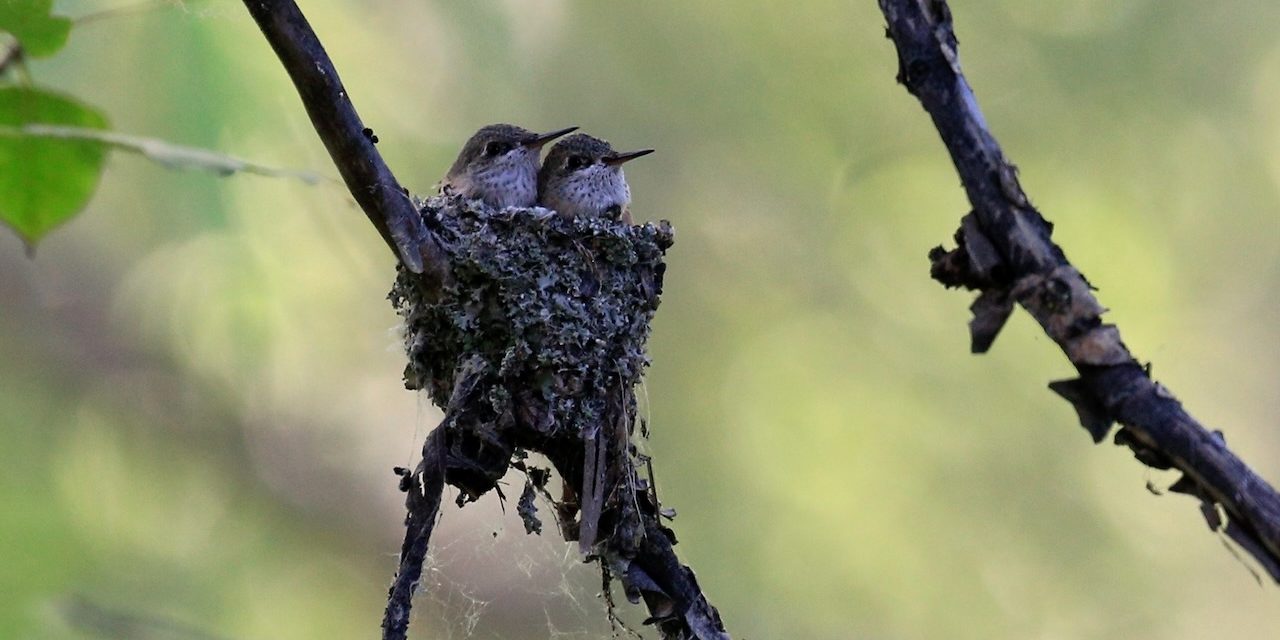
<point>30,21</point>
<point>45,181</point>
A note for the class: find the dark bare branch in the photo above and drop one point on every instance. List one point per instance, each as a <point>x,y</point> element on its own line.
<point>1005,251</point>
<point>349,142</point>
<point>423,488</point>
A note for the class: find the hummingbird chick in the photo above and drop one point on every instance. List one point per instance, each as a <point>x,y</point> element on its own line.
<point>582,177</point>
<point>499,165</point>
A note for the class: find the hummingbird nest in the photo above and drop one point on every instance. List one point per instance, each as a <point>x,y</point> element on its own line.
<point>539,336</point>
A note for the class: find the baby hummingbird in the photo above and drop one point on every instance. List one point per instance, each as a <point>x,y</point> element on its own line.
<point>499,165</point>
<point>582,177</point>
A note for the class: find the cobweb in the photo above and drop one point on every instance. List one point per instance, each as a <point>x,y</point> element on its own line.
<point>485,578</point>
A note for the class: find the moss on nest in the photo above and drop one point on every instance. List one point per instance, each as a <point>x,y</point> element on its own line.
<point>551,313</point>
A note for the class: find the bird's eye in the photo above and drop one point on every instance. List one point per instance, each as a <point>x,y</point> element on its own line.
<point>495,149</point>
<point>576,162</point>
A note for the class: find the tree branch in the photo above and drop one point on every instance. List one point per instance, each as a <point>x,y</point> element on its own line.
<point>424,488</point>
<point>1005,251</point>
<point>349,142</point>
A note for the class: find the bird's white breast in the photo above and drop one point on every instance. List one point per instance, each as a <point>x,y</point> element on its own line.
<point>590,192</point>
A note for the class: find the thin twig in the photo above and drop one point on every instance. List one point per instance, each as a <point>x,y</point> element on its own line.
<point>168,154</point>
<point>1006,253</point>
<point>122,11</point>
<point>104,622</point>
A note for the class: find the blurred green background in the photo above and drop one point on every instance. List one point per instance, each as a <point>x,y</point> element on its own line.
<point>200,401</point>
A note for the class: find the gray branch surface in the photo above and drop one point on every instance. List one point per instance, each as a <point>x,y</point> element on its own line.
<point>349,142</point>
<point>1005,252</point>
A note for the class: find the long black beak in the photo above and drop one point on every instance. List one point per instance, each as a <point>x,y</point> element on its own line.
<point>543,138</point>
<point>614,159</point>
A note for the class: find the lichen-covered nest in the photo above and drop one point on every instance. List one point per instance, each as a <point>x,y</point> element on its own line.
<point>550,313</point>
<point>535,343</point>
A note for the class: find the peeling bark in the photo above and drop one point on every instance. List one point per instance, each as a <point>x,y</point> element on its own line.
<point>1005,252</point>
